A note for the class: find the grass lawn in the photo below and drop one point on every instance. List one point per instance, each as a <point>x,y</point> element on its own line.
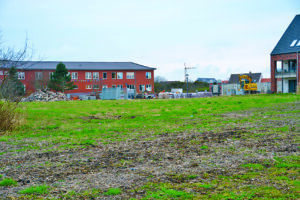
<point>239,147</point>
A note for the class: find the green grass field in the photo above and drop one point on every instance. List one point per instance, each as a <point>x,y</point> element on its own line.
<point>239,147</point>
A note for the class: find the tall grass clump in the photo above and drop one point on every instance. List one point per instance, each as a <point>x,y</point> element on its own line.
<point>113,191</point>
<point>40,189</point>
<point>8,182</point>
<point>10,116</point>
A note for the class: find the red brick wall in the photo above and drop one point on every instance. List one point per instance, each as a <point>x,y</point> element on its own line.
<point>274,58</point>
<point>30,81</point>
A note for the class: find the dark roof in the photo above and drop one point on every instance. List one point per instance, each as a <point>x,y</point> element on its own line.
<point>51,65</point>
<point>234,78</point>
<point>291,34</point>
<point>207,80</point>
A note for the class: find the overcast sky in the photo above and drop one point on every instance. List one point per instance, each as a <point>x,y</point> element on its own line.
<point>217,37</point>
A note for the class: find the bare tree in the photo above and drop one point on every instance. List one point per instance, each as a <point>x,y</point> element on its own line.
<point>9,58</point>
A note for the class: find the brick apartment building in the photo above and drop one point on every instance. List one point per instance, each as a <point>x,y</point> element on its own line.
<point>285,60</point>
<point>88,76</point>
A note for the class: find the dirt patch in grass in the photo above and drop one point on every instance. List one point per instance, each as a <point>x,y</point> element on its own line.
<point>91,117</point>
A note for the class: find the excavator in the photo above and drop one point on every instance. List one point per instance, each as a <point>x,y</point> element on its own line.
<point>247,85</point>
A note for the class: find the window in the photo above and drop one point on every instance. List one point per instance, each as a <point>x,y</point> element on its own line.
<point>74,75</point>
<point>88,86</point>
<point>113,86</point>
<point>113,75</point>
<point>21,75</point>
<point>293,43</point>
<point>50,73</point>
<point>130,86</point>
<point>120,75</point>
<point>142,88</point>
<point>38,75</point>
<point>88,75</point>
<point>292,65</point>
<point>130,75</point>
<point>278,64</point>
<point>3,72</point>
<point>149,87</point>
<point>96,86</point>
<point>95,75</point>
<point>120,86</point>
<point>148,75</point>
<point>75,87</point>
<point>104,86</point>
<point>104,75</point>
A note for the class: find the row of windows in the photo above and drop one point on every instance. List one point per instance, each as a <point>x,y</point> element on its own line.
<point>114,75</point>
<point>289,65</point>
<point>143,88</point>
<point>88,75</point>
<point>21,75</point>
<point>95,75</point>
<point>5,73</point>
<point>148,87</point>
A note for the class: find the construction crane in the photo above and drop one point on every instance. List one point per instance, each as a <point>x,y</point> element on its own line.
<point>186,76</point>
<point>247,85</point>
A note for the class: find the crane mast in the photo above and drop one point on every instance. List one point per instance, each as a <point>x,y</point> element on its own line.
<point>186,76</point>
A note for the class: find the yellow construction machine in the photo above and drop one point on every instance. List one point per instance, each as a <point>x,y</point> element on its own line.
<point>247,85</point>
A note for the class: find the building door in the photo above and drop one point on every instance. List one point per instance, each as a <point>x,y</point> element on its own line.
<point>292,86</point>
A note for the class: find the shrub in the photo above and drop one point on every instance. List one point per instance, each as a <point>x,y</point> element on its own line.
<point>42,189</point>
<point>8,182</point>
<point>9,116</point>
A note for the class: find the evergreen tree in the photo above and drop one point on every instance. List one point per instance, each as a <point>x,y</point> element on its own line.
<point>15,85</point>
<point>60,80</point>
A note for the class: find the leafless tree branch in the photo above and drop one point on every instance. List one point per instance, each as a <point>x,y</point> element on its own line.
<point>10,57</point>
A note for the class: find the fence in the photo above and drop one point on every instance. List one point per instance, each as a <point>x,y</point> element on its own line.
<point>234,89</point>
<point>113,93</point>
<point>184,95</point>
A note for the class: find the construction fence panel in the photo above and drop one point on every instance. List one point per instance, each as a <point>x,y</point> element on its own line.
<point>234,89</point>
<point>264,87</point>
<point>230,89</point>
<point>113,93</point>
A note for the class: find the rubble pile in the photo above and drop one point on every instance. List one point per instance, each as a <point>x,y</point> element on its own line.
<point>45,96</point>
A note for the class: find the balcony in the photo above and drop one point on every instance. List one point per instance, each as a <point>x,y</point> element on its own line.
<point>285,73</point>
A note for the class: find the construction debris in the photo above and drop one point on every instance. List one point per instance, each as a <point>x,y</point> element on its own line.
<point>45,96</point>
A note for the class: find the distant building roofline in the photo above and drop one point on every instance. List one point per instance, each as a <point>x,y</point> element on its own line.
<point>73,65</point>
